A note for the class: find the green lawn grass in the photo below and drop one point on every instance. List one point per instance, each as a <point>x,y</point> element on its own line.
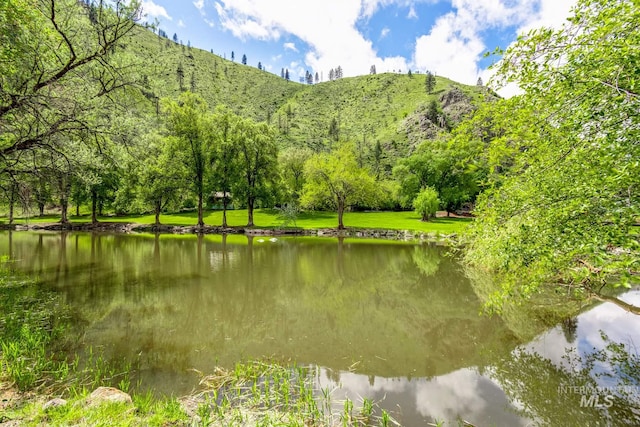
<point>269,218</point>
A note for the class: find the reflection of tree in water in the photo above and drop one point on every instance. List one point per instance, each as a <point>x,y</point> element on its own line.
<point>427,259</point>
<point>600,388</point>
<point>570,329</point>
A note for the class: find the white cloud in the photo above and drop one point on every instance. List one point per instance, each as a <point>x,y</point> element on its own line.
<point>290,46</point>
<point>412,13</point>
<point>209,22</point>
<point>199,4</point>
<point>454,45</point>
<point>450,50</point>
<point>181,23</point>
<point>550,13</point>
<point>369,7</point>
<point>330,31</point>
<point>150,9</point>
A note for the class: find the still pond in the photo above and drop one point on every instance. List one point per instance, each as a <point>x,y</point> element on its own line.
<point>396,322</point>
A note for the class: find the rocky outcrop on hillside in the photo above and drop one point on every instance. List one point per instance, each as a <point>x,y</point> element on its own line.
<point>456,105</point>
<point>430,119</point>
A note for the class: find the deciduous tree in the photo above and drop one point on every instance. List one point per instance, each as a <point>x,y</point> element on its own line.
<point>162,174</point>
<point>564,212</point>
<point>335,180</point>
<point>189,122</point>
<point>48,95</point>
<point>226,172</point>
<point>426,203</point>
<point>257,162</point>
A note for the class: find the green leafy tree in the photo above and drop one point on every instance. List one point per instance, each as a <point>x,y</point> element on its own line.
<point>563,208</point>
<point>41,191</point>
<point>51,95</point>
<point>257,163</point>
<point>189,122</point>
<point>226,163</point>
<point>162,175</point>
<point>426,203</point>
<point>451,169</point>
<point>292,161</point>
<point>335,180</point>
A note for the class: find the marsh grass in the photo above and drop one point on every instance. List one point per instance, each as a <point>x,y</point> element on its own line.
<point>267,393</point>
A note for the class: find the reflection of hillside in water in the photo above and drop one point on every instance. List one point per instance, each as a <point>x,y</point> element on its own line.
<point>187,302</point>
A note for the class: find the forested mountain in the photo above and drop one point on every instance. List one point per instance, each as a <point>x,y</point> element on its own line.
<point>120,117</point>
<point>392,109</point>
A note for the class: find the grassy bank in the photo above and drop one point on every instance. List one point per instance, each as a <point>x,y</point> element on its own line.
<point>270,218</point>
<point>38,364</point>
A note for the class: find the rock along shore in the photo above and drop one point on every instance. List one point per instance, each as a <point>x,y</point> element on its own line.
<point>119,227</point>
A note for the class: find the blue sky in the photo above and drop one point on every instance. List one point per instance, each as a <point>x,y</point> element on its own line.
<point>447,37</point>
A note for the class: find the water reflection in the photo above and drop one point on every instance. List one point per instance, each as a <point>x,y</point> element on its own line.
<point>586,372</point>
<point>189,302</point>
<point>398,323</point>
<point>461,395</point>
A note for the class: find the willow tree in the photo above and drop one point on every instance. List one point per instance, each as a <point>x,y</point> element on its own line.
<point>563,212</point>
<point>189,122</point>
<point>257,163</point>
<point>334,180</point>
<point>161,175</point>
<point>225,161</point>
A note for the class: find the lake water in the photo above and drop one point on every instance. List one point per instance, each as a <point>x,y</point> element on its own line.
<point>392,321</point>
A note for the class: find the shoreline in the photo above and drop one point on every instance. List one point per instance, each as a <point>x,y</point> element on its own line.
<point>132,228</point>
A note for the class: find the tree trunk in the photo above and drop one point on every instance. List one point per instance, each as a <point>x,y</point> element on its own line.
<point>200,219</point>
<point>94,206</point>
<point>157,211</point>
<point>64,205</point>
<point>12,199</point>
<point>78,209</point>
<point>425,217</point>
<point>340,214</point>
<point>224,211</point>
<point>250,203</point>
<point>41,208</point>
<point>11,209</point>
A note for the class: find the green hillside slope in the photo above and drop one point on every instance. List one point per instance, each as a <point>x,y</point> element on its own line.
<point>246,90</point>
<point>388,109</point>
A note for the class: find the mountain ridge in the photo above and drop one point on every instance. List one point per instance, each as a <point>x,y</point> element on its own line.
<point>387,109</point>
